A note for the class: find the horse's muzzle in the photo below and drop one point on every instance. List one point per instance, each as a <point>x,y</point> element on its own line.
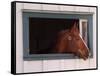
<point>83,54</point>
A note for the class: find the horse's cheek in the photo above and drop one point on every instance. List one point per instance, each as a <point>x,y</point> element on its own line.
<point>62,48</point>
<point>79,45</point>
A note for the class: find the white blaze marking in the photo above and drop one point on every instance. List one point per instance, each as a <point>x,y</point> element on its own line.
<point>84,42</point>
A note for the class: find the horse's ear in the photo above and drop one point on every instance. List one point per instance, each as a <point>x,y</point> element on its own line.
<point>74,29</point>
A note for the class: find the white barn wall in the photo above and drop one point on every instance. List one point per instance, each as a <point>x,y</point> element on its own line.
<point>19,39</point>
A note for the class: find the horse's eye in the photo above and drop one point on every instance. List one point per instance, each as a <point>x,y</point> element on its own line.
<point>69,38</point>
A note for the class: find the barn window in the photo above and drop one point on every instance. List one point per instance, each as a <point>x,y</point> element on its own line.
<point>40,31</point>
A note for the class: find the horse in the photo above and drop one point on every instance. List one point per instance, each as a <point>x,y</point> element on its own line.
<point>70,41</point>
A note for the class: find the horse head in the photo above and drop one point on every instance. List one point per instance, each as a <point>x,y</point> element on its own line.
<point>70,41</point>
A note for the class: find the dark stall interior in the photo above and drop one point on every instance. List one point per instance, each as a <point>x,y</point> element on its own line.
<point>43,33</point>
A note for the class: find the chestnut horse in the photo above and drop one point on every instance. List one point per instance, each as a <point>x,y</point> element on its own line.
<point>70,41</point>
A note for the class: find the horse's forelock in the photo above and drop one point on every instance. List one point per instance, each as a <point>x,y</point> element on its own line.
<point>74,28</point>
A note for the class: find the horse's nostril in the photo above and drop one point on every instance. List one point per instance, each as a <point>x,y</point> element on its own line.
<point>82,54</point>
<point>79,50</point>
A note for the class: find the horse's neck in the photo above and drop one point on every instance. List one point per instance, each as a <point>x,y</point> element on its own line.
<point>61,41</point>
